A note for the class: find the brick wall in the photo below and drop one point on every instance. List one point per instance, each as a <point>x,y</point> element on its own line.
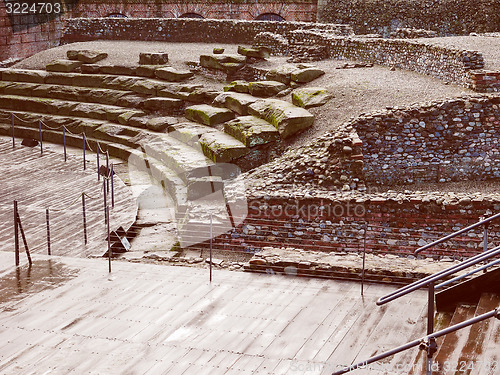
<point>395,224</point>
<point>25,35</point>
<point>290,10</point>
<point>183,29</point>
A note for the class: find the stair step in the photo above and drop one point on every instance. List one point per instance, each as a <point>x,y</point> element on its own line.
<point>189,132</point>
<point>450,349</point>
<point>139,85</point>
<point>221,147</point>
<point>168,178</point>
<point>208,115</point>
<point>251,131</point>
<point>481,336</point>
<point>235,101</point>
<point>284,116</point>
<point>65,107</point>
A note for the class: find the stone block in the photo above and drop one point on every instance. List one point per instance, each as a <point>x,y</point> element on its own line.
<point>285,117</point>
<point>308,97</point>
<point>173,75</point>
<point>251,131</point>
<point>208,115</point>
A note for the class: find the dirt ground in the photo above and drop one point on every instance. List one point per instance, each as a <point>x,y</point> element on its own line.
<point>355,91</point>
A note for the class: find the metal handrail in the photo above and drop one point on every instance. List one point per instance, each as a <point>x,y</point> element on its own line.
<point>450,236</point>
<point>424,341</point>
<point>460,277</point>
<point>439,275</point>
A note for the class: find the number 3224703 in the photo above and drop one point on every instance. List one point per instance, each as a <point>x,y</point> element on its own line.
<point>35,8</point>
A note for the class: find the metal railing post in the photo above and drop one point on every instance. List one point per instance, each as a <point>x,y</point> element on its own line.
<point>107,170</point>
<point>16,234</point>
<point>109,240</point>
<point>64,142</point>
<point>211,232</point>
<point>485,240</point>
<point>98,173</point>
<point>112,187</point>
<point>431,345</point>
<point>84,162</point>
<point>13,136</point>
<point>41,139</point>
<point>364,261</point>
<point>105,201</point>
<point>84,219</point>
<point>48,230</point>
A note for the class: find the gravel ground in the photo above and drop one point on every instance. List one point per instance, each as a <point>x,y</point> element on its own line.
<point>355,91</point>
<point>489,46</point>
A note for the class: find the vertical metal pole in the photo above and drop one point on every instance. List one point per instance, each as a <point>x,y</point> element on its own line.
<point>107,170</point>
<point>16,234</point>
<point>112,187</point>
<point>13,136</point>
<point>109,240</point>
<point>41,139</point>
<point>211,247</point>
<point>84,219</point>
<point>64,141</point>
<point>84,162</point>
<point>364,260</point>
<point>98,173</point>
<point>105,201</point>
<point>48,231</point>
<point>485,241</point>
<point>431,349</point>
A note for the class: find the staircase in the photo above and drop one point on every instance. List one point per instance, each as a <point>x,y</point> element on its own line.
<point>463,336</point>
<point>174,130</point>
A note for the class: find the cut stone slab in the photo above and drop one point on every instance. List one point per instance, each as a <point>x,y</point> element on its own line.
<point>159,124</point>
<point>146,70</point>
<point>306,75</point>
<point>238,86</point>
<point>19,75</point>
<point>203,186</point>
<point>153,58</point>
<point>265,88</point>
<point>217,61</point>
<point>221,147</point>
<point>173,75</point>
<point>235,101</point>
<point>251,131</point>
<point>86,56</point>
<point>91,68</point>
<point>258,52</point>
<point>281,74</point>
<point>64,66</point>
<point>145,87</point>
<point>163,104</point>
<point>218,51</point>
<point>118,70</point>
<point>208,115</point>
<point>285,117</point>
<point>189,132</point>
<point>308,97</point>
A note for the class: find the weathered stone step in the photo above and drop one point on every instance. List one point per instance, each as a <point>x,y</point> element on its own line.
<point>225,62</point>
<point>139,85</point>
<point>186,161</point>
<point>222,148</point>
<point>69,108</point>
<point>284,116</point>
<point>235,101</point>
<point>74,93</point>
<point>189,132</point>
<point>251,131</point>
<point>208,115</point>
<point>266,89</point>
<point>168,178</point>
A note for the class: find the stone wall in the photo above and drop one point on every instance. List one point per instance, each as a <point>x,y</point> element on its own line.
<point>290,10</point>
<point>451,140</point>
<point>27,34</point>
<point>446,63</point>
<point>445,16</point>
<point>395,223</point>
<point>485,81</point>
<point>183,29</point>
